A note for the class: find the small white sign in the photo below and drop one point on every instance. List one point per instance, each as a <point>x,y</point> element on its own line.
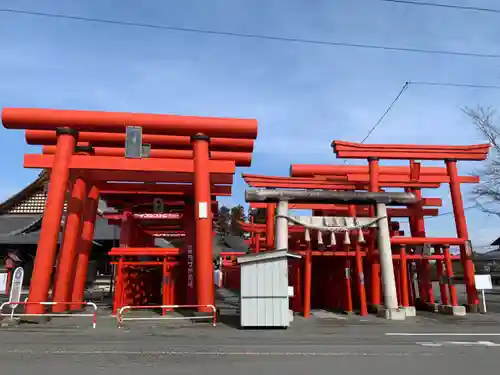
<point>202,210</point>
<point>16,286</point>
<point>291,291</point>
<point>3,282</point>
<point>483,282</point>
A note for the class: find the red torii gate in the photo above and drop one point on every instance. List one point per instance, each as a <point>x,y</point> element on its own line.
<point>450,155</point>
<point>339,183</point>
<point>61,127</point>
<point>373,178</point>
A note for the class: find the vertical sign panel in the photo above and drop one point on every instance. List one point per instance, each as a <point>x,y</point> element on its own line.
<point>133,142</point>
<point>16,286</point>
<point>203,210</point>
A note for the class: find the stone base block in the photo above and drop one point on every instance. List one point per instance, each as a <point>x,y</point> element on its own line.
<point>474,308</point>
<point>375,309</point>
<point>409,311</point>
<point>452,310</point>
<point>392,314</point>
<point>6,323</point>
<point>432,307</point>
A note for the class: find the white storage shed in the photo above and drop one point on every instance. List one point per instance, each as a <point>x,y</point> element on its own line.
<point>264,290</point>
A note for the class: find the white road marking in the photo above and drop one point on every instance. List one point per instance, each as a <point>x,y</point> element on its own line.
<point>442,334</point>
<point>213,353</point>
<point>433,344</point>
<point>459,343</point>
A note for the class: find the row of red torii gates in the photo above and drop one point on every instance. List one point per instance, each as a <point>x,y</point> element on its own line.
<point>188,162</point>
<point>323,278</point>
<point>131,160</point>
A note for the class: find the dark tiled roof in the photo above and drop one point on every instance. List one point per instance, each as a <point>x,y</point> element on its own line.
<point>27,191</point>
<point>12,223</point>
<point>223,243</point>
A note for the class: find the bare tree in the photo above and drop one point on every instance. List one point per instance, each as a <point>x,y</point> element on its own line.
<point>487,193</point>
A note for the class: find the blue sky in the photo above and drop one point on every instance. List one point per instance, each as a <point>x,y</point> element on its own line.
<point>304,96</point>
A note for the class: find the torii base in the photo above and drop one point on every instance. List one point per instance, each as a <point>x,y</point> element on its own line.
<point>392,314</point>
<point>452,310</point>
<point>410,311</point>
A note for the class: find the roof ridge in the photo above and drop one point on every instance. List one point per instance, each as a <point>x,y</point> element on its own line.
<point>20,195</point>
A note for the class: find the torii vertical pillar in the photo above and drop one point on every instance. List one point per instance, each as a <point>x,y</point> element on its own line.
<point>84,247</point>
<point>72,231</point>
<point>270,226</point>
<point>391,310</point>
<point>461,225</point>
<point>51,222</point>
<point>203,219</point>
<point>373,165</point>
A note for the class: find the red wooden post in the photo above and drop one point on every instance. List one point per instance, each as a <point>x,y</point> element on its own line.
<point>51,222</point>
<point>271,207</point>
<point>439,271</point>
<point>203,259</point>
<point>428,283</point>
<point>449,274</point>
<point>257,242</point>
<point>84,247</point>
<point>404,276</point>
<point>188,223</point>
<point>119,286</point>
<point>298,286</point>
<point>360,277</point>
<point>461,225</point>
<point>307,281</point>
<point>165,281</point>
<point>67,255</point>
<point>348,289</point>
<point>126,240</point>
<point>373,165</point>
<point>411,283</point>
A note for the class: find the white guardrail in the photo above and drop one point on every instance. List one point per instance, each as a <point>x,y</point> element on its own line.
<point>12,314</point>
<point>122,310</point>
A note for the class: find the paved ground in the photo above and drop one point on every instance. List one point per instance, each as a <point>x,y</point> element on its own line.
<point>429,343</point>
<point>492,296</point>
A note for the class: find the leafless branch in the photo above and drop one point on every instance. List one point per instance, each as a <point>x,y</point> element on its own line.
<point>487,193</point>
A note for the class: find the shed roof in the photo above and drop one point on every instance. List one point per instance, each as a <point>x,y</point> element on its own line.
<point>267,255</point>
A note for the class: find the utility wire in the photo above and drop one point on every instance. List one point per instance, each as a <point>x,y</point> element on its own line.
<point>425,83</point>
<point>403,89</point>
<point>251,36</point>
<point>449,84</point>
<point>441,5</point>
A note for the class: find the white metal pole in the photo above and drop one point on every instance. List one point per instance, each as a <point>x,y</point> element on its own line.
<point>281,226</point>
<point>484,300</point>
<point>386,265</point>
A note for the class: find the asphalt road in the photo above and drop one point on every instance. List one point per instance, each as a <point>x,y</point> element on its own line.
<point>429,344</point>
<point>319,346</point>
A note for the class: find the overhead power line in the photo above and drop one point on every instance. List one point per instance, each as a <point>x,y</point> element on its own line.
<point>251,36</point>
<point>449,84</point>
<point>403,89</point>
<point>425,83</point>
<point>442,5</point>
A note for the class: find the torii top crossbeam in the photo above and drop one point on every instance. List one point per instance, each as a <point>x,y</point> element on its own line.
<point>115,122</point>
<point>351,150</point>
<point>346,197</point>
<point>157,141</point>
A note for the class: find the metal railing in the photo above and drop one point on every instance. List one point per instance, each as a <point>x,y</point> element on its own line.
<point>122,310</point>
<point>12,314</point>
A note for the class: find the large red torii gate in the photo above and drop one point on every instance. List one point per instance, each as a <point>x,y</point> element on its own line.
<point>97,163</point>
<point>374,178</point>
